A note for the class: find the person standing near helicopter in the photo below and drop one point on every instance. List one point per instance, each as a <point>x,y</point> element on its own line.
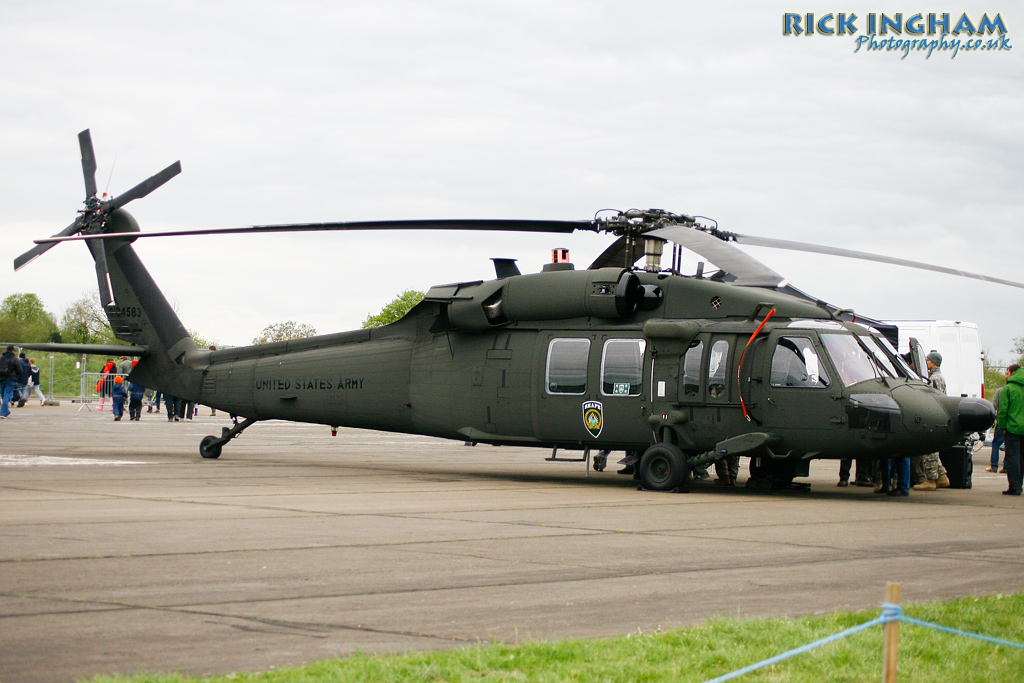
<point>930,465</point>
<point>1011,419</point>
<point>105,386</point>
<point>10,368</point>
<point>997,432</point>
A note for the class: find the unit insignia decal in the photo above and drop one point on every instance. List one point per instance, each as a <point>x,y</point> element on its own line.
<point>593,417</point>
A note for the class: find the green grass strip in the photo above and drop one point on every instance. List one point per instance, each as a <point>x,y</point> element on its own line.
<point>702,652</point>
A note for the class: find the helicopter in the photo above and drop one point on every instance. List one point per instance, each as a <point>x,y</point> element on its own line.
<point>680,369</point>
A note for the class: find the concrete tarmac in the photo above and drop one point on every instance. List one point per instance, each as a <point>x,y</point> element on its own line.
<point>121,550</point>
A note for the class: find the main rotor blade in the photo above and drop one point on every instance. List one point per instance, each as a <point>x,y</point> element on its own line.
<point>849,253</point>
<point>747,269</point>
<point>146,186</point>
<point>41,248</point>
<point>88,163</point>
<point>509,225</point>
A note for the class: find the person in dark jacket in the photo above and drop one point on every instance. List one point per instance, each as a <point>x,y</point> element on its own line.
<point>33,383</point>
<point>26,372</point>
<point>10,370</point>
<point>171,407</point>
<point>135,393</point>
<point>1011,419</point>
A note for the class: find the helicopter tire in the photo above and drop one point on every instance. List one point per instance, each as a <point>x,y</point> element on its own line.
<point>663,467</point>
<point>210,447</point>
<point>600,461</point>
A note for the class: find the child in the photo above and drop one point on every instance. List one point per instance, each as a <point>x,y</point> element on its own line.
<point>135,394</point>
<point>117,397</point>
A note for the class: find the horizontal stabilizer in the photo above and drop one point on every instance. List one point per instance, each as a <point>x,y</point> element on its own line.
<point>89,349</point>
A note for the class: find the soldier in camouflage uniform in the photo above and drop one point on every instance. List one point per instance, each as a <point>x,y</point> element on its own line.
<point>930,465</point>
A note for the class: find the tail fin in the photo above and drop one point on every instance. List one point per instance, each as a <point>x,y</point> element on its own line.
<point>140,314</point>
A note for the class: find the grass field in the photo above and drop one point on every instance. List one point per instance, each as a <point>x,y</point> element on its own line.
<point>705,651</point>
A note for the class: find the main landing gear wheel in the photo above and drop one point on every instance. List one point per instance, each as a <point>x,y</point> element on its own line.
<point>600,461</point>
<point>663,467</point>
<point>210,447</point>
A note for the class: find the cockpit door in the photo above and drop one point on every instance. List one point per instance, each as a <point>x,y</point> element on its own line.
<point>802,392</point>
<point>917,358</point>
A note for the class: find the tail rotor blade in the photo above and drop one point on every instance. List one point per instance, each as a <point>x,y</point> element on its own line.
<point>146,186</point>
<point>41,249</point>
<point>94,216</point>
<point>88,163</point>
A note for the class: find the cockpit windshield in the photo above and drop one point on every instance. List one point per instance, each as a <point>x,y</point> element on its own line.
<point>852,363</point>
<point>880,356</point>
<point>862,358</point>
<point>907,370</point>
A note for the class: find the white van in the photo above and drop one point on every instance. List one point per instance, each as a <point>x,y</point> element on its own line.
<point>960,346</point>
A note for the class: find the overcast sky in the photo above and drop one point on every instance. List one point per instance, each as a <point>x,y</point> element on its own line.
<point>304,111</point>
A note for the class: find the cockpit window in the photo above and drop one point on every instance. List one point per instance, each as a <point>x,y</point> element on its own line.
<point>691,369</point>
<point>795,363</point>
<point>851,361</point>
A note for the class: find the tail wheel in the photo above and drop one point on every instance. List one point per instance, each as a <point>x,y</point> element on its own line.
<point>663,467</point>
<point>210,447</point>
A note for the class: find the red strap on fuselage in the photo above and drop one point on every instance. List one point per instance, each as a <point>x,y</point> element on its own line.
<point>739,365</point>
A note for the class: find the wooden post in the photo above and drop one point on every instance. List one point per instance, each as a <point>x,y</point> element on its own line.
<point>890,645</point>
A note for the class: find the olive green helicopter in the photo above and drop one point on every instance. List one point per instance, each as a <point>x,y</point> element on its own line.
<point>679,370</point>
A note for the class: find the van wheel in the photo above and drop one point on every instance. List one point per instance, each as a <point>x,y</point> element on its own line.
<point>663,467</point>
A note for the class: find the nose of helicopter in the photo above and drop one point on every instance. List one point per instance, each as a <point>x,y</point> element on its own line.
<point>975,415</point>
<point>930,421</point>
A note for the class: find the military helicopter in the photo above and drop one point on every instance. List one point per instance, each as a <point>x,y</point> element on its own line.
<point>681,369</point>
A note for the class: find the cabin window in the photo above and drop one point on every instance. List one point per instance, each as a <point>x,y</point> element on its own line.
<point>622,369</point>
<point>717,363</point>
<point>795,363</point>
<point>691,369</point>
<point>567,366</point>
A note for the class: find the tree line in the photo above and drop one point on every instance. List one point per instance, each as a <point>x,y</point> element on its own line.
<point>25,319</point>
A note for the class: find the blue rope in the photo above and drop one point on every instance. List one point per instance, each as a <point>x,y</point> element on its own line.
<point>890,613</point>
<point>961,633</point>
<point>798,651</point>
